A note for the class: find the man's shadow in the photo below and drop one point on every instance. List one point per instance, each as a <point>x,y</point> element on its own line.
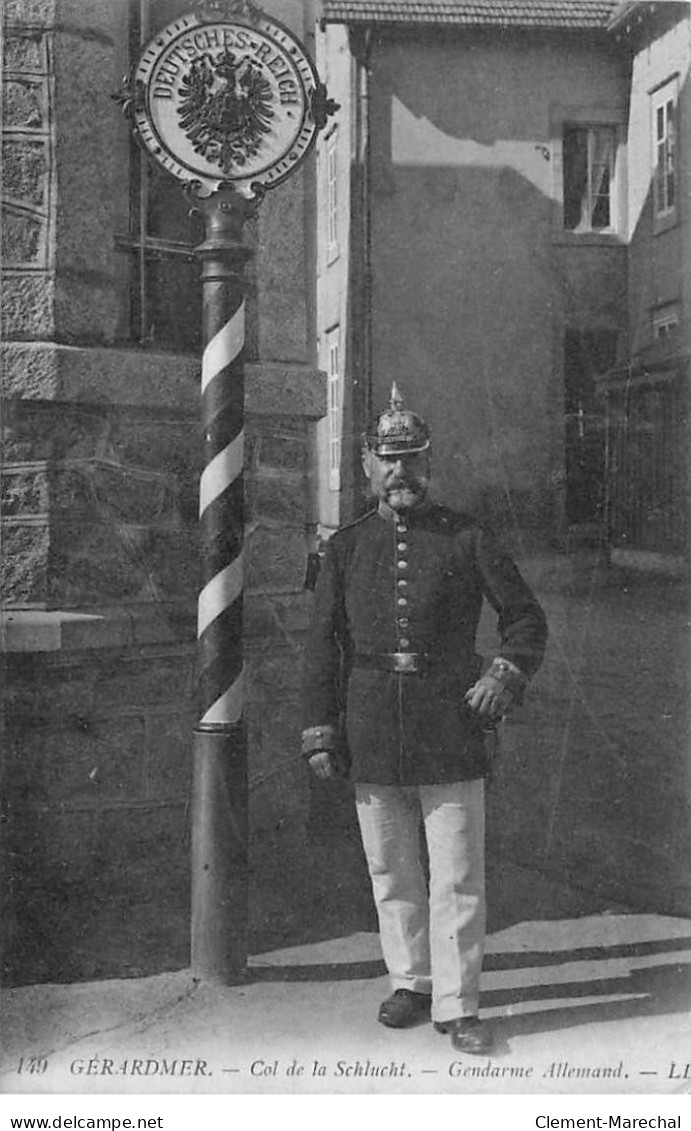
<point>646,991</point>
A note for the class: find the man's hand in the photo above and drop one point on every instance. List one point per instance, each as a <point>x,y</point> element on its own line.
<point>326,764</point>
<point>489,698</point>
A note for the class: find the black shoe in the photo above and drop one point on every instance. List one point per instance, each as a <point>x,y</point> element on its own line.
<point>468,1034</point>
<point>404,1008</point>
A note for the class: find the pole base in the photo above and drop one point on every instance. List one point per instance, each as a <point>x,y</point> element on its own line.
<point>220,855</point>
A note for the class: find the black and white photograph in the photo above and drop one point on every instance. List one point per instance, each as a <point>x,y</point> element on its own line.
<point>345,479</point>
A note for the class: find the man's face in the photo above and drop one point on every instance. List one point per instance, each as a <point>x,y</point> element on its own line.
<point>400,481</point>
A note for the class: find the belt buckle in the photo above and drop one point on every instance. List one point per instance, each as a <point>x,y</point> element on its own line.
<point>405,662</point>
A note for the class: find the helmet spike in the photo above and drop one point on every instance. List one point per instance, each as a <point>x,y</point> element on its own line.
<point>397,431</point>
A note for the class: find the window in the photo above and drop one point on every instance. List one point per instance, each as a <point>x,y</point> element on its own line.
<point>665,320</point>
<point>331,199</point>
<point>165,287</point>
<point>665,161</point>
<point>589,156</point>
<point>333,342</point>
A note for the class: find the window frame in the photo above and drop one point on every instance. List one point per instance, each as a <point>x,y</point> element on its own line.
<point>144,249</point>
<point>331,195</point>
<point>664,320</point>
<point>661,96</point>
<point>589,118</point>
<point>334,371</point>
<point>591,193</point>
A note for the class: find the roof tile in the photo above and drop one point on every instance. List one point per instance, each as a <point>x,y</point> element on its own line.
<point>577,14</point>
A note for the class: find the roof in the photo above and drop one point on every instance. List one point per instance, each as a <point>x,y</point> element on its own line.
<point>622,10</point>
<point>563,14</point>
<point>629,13</point>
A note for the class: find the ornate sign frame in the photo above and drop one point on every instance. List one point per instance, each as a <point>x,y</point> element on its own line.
<point>226,96</point>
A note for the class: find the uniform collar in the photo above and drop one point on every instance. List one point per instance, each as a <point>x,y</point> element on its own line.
<point>386,512</point>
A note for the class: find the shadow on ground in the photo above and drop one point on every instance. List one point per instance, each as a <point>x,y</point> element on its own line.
<point>553,989</point>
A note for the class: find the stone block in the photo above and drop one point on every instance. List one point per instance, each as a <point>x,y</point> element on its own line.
<point>78,434</point>
<point>72,840</point>
<point>280,269</point>
<point>91,18</point>
<point>147,680</point>
<point>279,497</point>
<point>115,561</point>
<point>81,631</point>
<point>118,908</point>
<point>276,560</point>
<point>146,841</point>
<point>274,388</point>
<point>286,452</point>
<point>30,13</point>
<point>173,446</point>
<point>27,307</point>
<point>23,239</point>
<point>280,799</point>
<point>73,490</point>
<point>25,170</point>
<point>165,458</point>
<point>48,860</point>
<point>88,304</point>
<point>169,764</point>
<point>275,759</point>
<point>92,761</point>
<point>25,53</point>
<point>36,431</point>
<point>95,375</point>
<point>25,631</point>
<point>25,104</point>
<point>23,491</point>
<point>24,708</point>
<point>121,494</point>
<point>93,562</point>
<point>172,561</point>
<point>90,156</point>
<point>276,618</point>
<point>164,622</point>
<point>284,426</point>
<point>98,376</point>
<point>275,676</point>
<point>64,692</point>
<point>24,564</point>
<point>24,433</point>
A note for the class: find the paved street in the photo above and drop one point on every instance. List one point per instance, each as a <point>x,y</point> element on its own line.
<point>595,1005</point>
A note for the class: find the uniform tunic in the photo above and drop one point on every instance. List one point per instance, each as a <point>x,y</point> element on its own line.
<point>413,583</point>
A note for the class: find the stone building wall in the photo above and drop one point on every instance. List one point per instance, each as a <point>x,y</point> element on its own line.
<point>99,489</point>
<point>100,582</point>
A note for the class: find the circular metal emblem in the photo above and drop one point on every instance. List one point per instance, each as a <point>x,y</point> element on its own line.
<point>226,101</point>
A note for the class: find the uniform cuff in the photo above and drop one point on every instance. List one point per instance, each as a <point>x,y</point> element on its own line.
<point>511,677</point>
<point>318,738</point>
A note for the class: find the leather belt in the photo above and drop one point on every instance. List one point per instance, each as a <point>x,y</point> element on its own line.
<point>404,663</point>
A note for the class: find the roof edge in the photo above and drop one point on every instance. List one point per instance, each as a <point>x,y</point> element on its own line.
<point>641,9</point>
<point>540,21</point>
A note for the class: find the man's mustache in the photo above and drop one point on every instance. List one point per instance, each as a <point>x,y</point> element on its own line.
<point>405,481</point>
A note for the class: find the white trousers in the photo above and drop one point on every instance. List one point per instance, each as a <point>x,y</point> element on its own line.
<point>432,941</point>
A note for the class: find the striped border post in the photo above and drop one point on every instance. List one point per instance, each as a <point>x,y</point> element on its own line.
<point>219,792</point>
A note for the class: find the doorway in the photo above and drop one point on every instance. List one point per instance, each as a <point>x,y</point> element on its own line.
<point>587,353</point>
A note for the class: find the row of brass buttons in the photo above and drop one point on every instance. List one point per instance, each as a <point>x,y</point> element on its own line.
<point>401,583</point>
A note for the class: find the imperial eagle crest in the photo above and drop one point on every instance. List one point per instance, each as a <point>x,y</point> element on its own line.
<point>225,109</point>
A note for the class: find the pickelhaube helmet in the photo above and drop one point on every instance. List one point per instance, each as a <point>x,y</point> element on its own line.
<point>397,431</point>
